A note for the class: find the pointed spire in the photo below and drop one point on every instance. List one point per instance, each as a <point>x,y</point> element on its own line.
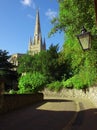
<point>37,32</point>
<point>30,40</point>
<point>36,45</point>
<point>30,43</point>
<point>44,40</point>
<point>44,44</point>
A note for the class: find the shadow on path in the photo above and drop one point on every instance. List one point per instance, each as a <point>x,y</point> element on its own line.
<point>47,115</point>
<point>51,114</point>
<point>86,119</point>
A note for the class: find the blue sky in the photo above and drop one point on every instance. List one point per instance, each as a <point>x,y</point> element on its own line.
<point>17,21</point>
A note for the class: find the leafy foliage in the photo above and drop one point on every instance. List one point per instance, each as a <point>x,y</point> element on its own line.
<point>46,63</point>
<point>31,82</point>
<point>73,14</point>
<point>7,75</point>
<point>25,64</point>
<point>12,91</point>
<point>5,65</point>
<point>55,86</point>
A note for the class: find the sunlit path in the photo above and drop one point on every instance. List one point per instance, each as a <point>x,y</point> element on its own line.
<point>52,114</point>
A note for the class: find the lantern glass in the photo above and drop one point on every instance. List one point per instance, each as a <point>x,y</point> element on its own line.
<point>85,39</point>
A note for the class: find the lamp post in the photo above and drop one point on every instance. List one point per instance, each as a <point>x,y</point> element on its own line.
<point>84,39</point>
<point>85,42</point>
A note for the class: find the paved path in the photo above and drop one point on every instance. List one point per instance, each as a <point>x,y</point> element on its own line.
<point>86,118</point>
<point>52,114</point>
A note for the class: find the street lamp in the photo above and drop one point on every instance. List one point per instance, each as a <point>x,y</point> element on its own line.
<point>84,39</point>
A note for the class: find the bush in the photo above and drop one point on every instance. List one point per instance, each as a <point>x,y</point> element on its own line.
<point>68,83</point>
<point>31,83</point>
<point>12,91</point>
<point>74,82</point>
<point>79,81</point>
<point>55,86</point>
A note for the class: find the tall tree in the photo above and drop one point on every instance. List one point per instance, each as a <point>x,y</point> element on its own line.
<point>25,64</point>
<point>5,65</point>
<point>46,63</point>
<point>73,14</point>
<point>7,75</point>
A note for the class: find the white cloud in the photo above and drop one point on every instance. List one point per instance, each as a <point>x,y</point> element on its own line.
<point>29,3</point>
<point>30,16</point>
<point>51,14</point>
<point>26,2</point>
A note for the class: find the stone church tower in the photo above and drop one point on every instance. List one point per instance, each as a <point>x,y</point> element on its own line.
<point>36,44</point>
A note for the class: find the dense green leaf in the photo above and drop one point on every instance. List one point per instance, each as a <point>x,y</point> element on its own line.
<point>31,82</point>
<point>73,14</point>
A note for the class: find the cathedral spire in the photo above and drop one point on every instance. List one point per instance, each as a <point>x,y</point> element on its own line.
<point>37,32</point>
<point>30,43</point>
<point>37,44</point>
<point>44,45</point>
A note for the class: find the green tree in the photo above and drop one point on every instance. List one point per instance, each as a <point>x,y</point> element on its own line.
<point>73,14</point>
<point>25,64</point>
<point>7,75</point>
<point>31,82</point>
<point>45,62</point>
<point>40,63</point>
<point>52,53</point>
<point>5,65</point>
<point>57,68</point>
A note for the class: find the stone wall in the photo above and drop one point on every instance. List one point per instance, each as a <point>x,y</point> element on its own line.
<point>9,102</point>
<point>90,94</point>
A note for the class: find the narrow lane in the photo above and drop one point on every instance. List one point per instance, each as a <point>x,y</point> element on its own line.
<point>52,114</point>
<point>86,118</point>
<point>80,118</point>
